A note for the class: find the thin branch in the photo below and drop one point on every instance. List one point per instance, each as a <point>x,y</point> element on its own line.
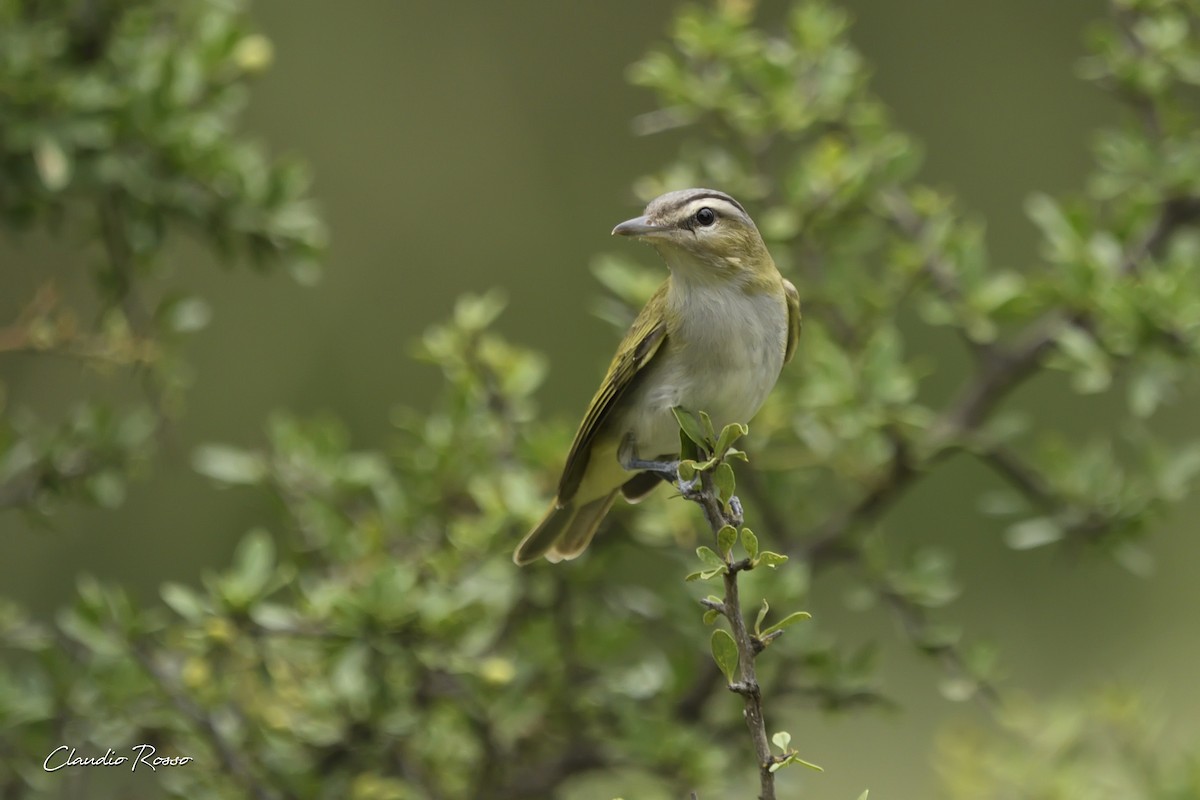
<point>748,687</point>
<point>916,626</point>
<point>1024,477</point>
<point>747,684</point>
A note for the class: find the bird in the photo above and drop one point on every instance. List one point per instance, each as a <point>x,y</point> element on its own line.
<point>713,337</point>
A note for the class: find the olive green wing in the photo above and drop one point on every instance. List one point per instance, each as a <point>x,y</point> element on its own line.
<point>637,349</point>
<point>793,307</point>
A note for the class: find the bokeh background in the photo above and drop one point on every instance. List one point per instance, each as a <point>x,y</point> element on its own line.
<point>463,146</point>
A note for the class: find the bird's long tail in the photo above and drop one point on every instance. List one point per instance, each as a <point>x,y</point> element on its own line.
<point>564,532</point>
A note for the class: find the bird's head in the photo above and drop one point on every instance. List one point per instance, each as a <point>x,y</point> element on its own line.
<point>702,234</point>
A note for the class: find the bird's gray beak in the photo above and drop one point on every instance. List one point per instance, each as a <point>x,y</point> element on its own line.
<point>638,227</point>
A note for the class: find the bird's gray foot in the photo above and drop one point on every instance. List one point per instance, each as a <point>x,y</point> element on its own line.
<point>735,511</point>
<point>668,470</point>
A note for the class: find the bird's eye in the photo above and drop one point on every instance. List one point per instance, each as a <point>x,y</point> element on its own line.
<point>706,216</point>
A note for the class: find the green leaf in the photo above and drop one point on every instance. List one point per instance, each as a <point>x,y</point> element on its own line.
<point>690,426</point>
<point>750,543</point>
<point>782,740</point>
<point>474,312</point>
<point>688,449</point>
<point>787,622</point>
<point>725,483</point>
<point>686,470</point>
<point>725,539</point>
<point>253,563</point>
<point>710,616</point>
<point>52,162</point>
<point>1050,218</point>
<point>808,764</point>
<point>710,558</point>
<point>274,616</point>
<point>183,600</point>
<point>1031,533</point>
<point>710,433</point>
<point>762,614</point>
<point>725,653</point>
<point>770,559</point>
<point>707,574</point>
<point>229,464</point>
<point>730,434</point>
<point>186,314</point>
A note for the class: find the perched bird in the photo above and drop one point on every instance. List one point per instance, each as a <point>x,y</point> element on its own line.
<point>712,338</point>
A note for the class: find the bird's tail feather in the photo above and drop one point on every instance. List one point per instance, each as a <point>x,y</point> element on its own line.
<point>564,532</point>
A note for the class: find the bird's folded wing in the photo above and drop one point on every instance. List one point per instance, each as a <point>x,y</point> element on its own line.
<point>637,349</point>
<point>793,306</point>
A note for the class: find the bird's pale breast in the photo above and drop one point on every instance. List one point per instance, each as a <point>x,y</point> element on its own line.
<point>732,357</point>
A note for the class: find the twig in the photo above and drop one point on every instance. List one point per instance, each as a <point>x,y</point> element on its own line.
<point>747,683</point>
<point>1025,478</point>
<point>916,625</point>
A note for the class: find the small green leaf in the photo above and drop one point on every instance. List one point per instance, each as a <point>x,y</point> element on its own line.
<point>253,563</point>
<point>1031,533</point>
<point>687,448</point>
<point>725,653</point>
<point>694,576</point>
<point>762,614</point>
<point>725,539</point>
<point>686,470</point>
<point>786,622</point>
<point>808,764</point>
<point>689,425</point>
<point>186,314</point>
<point>750,543</point>
<point>782,740</point>
<point>229,464</point>
<point>724,480</point>
<point>274,616</point>
<point>710,558</point>
<point>710,434</point>
<point>183,600</point>
<point>771,559</point>
<point>52,162</point>
<point>710,616</point>
<point>730,434</point>
<point>474,312</point>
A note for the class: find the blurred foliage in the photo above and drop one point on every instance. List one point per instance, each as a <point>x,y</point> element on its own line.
<point>378,642</point>
<point>120,134</point>
<point>1107,747</point>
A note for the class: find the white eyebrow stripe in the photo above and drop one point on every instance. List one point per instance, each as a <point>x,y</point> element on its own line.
<point>717,204</point>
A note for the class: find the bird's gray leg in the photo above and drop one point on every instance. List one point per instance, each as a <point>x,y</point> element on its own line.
<point>628,458</point>
<point>735,511</point>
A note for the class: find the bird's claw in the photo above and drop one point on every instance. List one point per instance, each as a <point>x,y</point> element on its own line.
<point>686,488</point>
<point>735,511</point>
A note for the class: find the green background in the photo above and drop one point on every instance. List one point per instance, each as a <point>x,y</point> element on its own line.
<point>463,146</point>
